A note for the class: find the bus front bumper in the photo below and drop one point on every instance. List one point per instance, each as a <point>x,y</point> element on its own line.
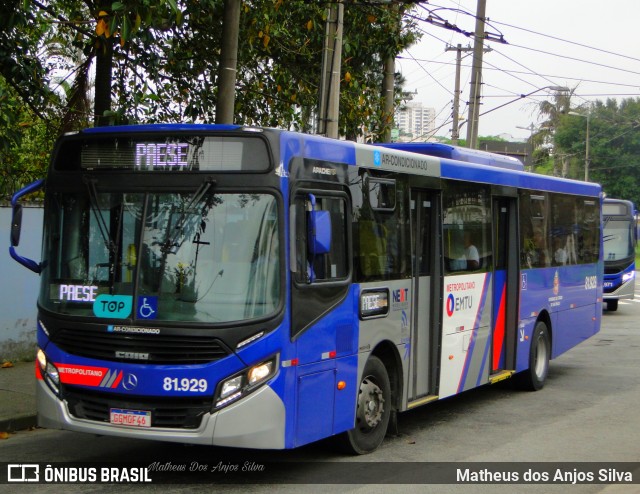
<point>625,291</point>
<point>257,421</point>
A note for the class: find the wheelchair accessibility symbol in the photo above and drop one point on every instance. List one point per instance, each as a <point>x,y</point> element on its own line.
<point>147,307</point>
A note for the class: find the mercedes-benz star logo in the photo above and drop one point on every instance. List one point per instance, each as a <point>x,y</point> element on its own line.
<point>130,382</point>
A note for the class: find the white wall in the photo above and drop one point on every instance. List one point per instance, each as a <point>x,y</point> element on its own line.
<point>19,286</point>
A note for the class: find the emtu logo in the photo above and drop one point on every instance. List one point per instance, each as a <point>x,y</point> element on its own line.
<point>451,304</point>
<point>462,303</point>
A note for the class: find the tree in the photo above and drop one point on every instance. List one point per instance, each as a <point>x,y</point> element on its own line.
<point>614,145</point>
<point>552,111</point>
<point>158,62</point>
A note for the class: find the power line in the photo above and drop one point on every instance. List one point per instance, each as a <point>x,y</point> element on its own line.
<point>546,79</point>
<point>569,41</point>
<point>458,10</point>
<point>508,71</point>
<point>575,59</point>
<point>434,79</point>
<point>544,35</point>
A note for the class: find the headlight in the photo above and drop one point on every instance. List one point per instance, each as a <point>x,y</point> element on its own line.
<point>42,359</point>
<point>628,276</point>
<point>49,372</point>
<point>52,372</point>
<point>241,384</point>
<point>260,372</point>
<point>230,386</point>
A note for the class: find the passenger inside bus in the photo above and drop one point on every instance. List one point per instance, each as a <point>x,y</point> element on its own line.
<point>559,252</point>
<point>471,253</point>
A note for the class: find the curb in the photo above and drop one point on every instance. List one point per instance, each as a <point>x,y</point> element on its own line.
<point>16,424</point>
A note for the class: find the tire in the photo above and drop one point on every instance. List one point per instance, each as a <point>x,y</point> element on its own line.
<point>535,376</point>
<point>372,411</point>
<point>612,305</point>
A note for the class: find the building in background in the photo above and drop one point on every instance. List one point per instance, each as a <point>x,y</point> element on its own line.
<point>415,122</point>
<point>508,147</point>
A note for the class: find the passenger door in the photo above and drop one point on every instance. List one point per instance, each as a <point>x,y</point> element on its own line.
<point>505,285</point>
<point>425,251</point>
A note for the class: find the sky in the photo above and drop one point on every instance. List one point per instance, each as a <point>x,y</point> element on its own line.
<point>589,45</point>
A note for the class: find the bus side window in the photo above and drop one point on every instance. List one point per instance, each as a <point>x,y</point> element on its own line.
<point>466,228</point>
<point>315,264</point>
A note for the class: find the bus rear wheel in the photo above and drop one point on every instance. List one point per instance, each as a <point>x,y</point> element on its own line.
<point>372,412</point>
<point>535,376</point>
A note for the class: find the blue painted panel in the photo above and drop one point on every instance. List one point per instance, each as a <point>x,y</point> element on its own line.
<point>160,128</point>
<point>317,147</point>
<point>572,297</point>
<point>500,176</point>
<point>344,417</point>
<point>334,332</point>
<point>525,330</point>
<point>573,327</point>
<point>315,406</point>
<point>558,288</point>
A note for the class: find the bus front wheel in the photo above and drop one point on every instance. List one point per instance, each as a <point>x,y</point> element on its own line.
<point>373,410</point>
<point>535,376</point>
<point>612,305</point>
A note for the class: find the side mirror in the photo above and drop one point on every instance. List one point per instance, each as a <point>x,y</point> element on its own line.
<point>319,232</point>
<point>16,225</point>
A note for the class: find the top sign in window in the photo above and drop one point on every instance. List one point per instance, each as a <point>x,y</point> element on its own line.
<point>166,153</point>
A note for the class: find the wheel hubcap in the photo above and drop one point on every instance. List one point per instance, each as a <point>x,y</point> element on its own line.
<point>541,357</point>
<point>370,403</point>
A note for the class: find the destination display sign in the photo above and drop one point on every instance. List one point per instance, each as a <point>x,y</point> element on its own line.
<point>168,153</point>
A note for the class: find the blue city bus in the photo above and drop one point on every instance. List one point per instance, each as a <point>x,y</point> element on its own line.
<point>619,251</point>
<point>260,288</point>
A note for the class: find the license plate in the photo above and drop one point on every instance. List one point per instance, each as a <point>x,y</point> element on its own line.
<point>132,418</point>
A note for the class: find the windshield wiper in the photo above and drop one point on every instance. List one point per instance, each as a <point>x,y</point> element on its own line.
<point>195,199</point>
<point>102,224</point>
<point>111,244</point>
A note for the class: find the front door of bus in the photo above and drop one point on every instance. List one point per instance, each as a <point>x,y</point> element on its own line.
<point>505,284</point>
<point>423,254</point>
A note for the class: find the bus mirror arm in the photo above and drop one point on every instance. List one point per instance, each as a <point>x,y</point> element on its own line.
<point>16,225</point>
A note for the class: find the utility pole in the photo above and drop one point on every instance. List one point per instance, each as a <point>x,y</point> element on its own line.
<point>331,67</point>
<point>476,76</point>
<point>389,80</point>
<point>529,161</point>
<point>587,160</point>
<point>228,62</point>
<point>388,84</point>
<point>455,131</point>
<point>104,75</point>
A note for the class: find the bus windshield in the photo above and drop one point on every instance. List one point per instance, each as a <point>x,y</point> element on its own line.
<point>195,257</point>
<point>618,239</point>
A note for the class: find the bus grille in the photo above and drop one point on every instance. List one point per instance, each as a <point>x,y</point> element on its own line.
<point>140,348</point>
<point>182,413</point>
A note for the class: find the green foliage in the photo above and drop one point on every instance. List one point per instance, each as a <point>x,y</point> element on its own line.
<point>614,146</point>
<point>163,62</point>
<point>25,143</point>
